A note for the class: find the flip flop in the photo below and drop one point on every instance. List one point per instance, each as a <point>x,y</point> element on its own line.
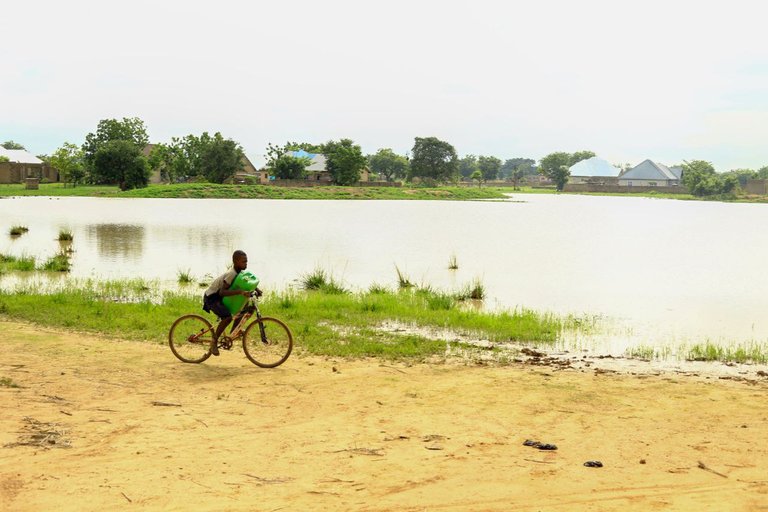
<point>546,447</point>
<point>593,464</point>
<point>529,442</point>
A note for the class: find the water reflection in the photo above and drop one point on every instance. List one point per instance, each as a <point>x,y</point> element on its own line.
<point>118,241</point>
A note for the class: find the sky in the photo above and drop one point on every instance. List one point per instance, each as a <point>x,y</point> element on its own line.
<point>666,80</point>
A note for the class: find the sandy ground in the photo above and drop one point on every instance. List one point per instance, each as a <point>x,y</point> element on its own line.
<point>100,424</point>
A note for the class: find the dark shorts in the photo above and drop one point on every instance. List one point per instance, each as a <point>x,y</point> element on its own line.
<point>213,304</point>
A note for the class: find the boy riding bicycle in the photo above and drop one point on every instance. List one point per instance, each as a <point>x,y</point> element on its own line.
<point>219,288</point>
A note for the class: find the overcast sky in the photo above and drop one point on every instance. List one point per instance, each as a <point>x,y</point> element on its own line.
<point>666,80</point>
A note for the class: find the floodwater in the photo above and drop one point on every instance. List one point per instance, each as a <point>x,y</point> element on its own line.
<point>660,272</point>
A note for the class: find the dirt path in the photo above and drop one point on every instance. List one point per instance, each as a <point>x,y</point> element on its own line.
<point>125,426</point>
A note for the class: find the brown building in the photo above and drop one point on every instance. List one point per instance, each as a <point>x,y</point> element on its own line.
<point>22,164</point>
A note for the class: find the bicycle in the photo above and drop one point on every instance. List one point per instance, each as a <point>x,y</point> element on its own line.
<point>267,342</point>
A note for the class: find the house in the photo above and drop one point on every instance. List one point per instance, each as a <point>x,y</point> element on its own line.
<point>22,164</point>
<point>317,171</point>
<point>248,172</point>
<point>594,170</point>
<point>650,174</point>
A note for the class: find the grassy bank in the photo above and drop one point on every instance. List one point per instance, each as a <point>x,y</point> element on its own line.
<point>215,191</point>
<point>337,324</point>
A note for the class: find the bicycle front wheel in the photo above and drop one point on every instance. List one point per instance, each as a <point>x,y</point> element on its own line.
<point>190,338</point>
<point>267,342</point>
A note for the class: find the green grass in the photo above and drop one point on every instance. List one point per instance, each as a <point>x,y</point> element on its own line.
<point>18,230</point>
<point>323,323</point>
<point>21,263</point>
<point>66,235</point>
<point>320,280</point>
<point>57,263</point>
<point>6,382</point>
<point>474,291</point>
<point>212,190</point>
<point>752,353</point>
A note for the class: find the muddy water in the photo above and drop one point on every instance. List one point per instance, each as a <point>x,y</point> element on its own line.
<point>664,272</point>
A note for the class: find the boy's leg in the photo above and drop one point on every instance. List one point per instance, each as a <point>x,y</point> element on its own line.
<point>220,329</point>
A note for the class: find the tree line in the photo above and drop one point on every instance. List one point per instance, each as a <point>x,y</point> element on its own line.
<point>114,154</point>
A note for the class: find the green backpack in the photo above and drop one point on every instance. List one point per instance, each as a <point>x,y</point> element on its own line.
<point>244,281</point>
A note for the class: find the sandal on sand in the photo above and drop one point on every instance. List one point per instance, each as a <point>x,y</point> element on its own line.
<point>528,442</point>
<point>546,447</point>
<point>593,464</point>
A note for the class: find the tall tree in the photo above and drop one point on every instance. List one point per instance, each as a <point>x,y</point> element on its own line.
<point>389,164</point>
<point>702,180</point>
<point>130,129</point>
<point>9,144</point>
<point>287,167</point>
<point>490,166</point>
<point>220,158</point>
<point>555,167</point>
<point>434,159</point>
<point>68,160</point>
<point>344,160</point>
<point>467,166</point>
<point>121,162</point>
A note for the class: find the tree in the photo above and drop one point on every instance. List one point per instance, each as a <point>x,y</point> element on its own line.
<point>287,167</point>
<point>509,166</point>
<point>490,166</point>
<point>130,129</point>
<point>742,175</point>
<point>702,180</point>
<point>434,160</point>
<point>9,144</point>
<point>121,162</point>
<point>579,156</point>
<point>762,173</point>
<point>68,160</point>
<point>4,158</point>
<point>555,167</point>
<point>344,159</point>
<point>520,171</point>
<point>220,158</point>
<point>389,164</point>
<point>477,175</point>
<point>467,166</point>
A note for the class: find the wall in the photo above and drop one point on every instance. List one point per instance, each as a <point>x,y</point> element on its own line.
<point>620,189</point>
<point>5,172</point>
<point>756,187</point>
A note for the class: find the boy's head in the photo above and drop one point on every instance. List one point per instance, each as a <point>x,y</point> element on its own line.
<point>239,260</point>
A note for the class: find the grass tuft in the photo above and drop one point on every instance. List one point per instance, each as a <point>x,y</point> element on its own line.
<point>66,235</point>
<point>184,276</point>
<point>403,282</point>
<point>57,263</point>
<point>314,280</point>
<point>18,230</point>
<point>453,263</point>
<point>474,291</point>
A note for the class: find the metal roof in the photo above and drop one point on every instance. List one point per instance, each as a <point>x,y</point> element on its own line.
<point>649,170</point>
<point>317,161</point>
<point>594,166</point>
<point>19,156</point>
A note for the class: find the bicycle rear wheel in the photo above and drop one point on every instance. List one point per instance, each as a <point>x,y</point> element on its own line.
<point>190,338</point>
<point>267,342</point>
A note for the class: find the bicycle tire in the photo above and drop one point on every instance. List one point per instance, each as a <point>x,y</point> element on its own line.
<point>185,340</point>
<point>277,347</point>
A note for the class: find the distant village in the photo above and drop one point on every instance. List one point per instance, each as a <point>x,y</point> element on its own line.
<point>593,174</point>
